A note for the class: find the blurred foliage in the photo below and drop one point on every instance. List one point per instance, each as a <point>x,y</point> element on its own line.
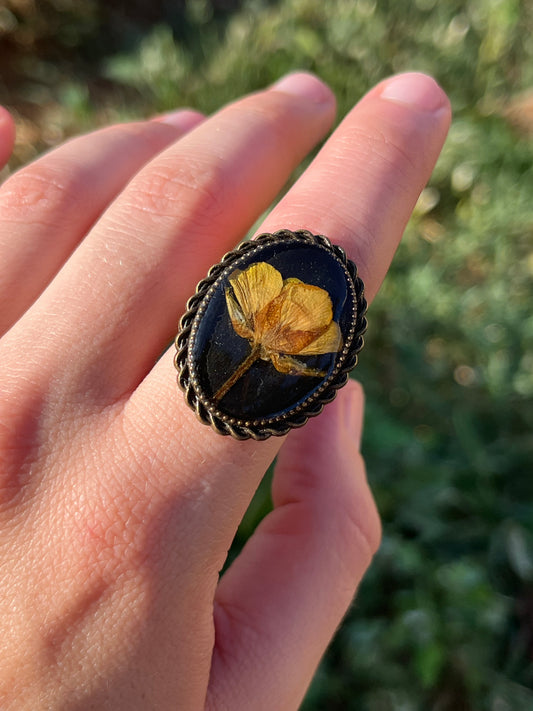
<point>444,619</point>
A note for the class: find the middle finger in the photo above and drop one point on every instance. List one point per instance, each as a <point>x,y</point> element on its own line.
<point>123,289</point>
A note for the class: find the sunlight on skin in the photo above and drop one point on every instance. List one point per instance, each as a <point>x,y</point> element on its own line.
<point>117,507</point>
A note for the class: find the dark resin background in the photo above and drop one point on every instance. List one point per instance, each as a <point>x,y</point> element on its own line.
<point>262,391</point>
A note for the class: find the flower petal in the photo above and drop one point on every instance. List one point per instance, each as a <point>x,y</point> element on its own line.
<point>305,307</point>
<point>286,341</point>
<point>241,325</point>
<point>255,287</point>
<point>299,315</point>
<point>329,342</point>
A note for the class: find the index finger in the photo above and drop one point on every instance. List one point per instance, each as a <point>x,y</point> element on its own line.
<point>362,187</point>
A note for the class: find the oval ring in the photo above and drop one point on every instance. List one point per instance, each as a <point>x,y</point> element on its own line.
<point>271,334</point>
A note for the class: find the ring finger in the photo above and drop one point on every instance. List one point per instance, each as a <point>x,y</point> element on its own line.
<point>49,206</point>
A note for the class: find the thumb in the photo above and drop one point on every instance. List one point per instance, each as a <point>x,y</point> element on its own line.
<point>281,601</point>
<point>7,136</point>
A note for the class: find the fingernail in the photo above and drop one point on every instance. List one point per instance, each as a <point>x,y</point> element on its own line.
<point>305,85</point>
<point>184,119</point>
<point>417,90</point>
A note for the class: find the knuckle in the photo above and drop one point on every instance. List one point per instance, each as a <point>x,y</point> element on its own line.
<point>39,190</point>
<point>384,154</point>
<point>393,150</point>
<point>359,524</point>
<point>365,531</point>
<point>192,187</point>
<point>20,441</point>
<point>56,184</point>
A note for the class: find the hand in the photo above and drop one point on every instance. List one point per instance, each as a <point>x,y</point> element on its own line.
<point>117,507</point>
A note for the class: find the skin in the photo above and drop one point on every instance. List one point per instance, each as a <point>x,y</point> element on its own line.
<point>117,507</point>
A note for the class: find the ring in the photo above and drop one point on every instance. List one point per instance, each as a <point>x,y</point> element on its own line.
<point>271,334</point>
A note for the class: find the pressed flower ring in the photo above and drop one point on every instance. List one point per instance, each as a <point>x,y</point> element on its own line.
<point>271,334</point>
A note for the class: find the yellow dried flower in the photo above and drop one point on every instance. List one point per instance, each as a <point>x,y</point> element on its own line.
<point>280,318</point>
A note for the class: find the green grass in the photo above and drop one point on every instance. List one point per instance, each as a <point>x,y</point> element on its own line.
<point>444,619</point>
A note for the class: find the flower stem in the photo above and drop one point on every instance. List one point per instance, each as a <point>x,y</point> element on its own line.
<point>241,370</point>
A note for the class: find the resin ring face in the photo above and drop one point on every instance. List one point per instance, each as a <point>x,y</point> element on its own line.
<point>271,334</point>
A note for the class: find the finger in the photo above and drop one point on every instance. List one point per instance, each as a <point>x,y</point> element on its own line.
<point>49,206</point>
<point>279,604</point>
<point>411,145</point>
<point>7,136</point>
<point>128,283</point>
<point>375,166</point>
